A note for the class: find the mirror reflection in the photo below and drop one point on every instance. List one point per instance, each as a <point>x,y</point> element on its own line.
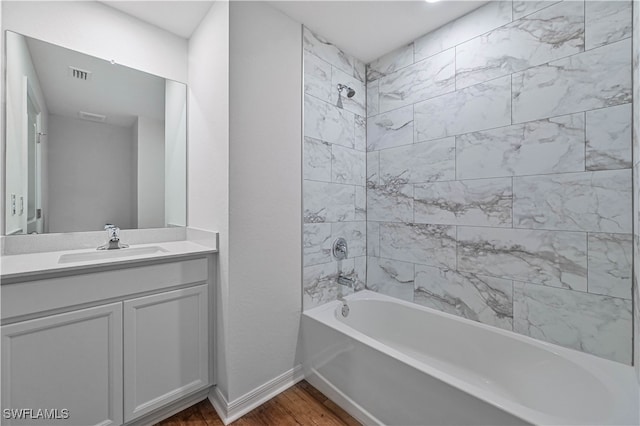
<point>89,142</point>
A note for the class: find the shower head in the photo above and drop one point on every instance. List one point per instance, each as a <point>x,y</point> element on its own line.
<point>350,91</point>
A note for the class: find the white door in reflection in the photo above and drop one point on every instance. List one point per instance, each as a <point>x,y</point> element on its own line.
<point>34,171</point>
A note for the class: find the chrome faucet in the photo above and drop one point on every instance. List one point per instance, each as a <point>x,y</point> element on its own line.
<point>346,281</point>
<point>339,249</point>
<point>113,238</point>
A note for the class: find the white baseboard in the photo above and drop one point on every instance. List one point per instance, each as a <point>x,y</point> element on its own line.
<point>231,411</point>
<point>165,412</point>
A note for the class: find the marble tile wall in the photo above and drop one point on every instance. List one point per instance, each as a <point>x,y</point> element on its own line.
<point>499,171</point>
<point>334,169</point>
<point>636,184</point>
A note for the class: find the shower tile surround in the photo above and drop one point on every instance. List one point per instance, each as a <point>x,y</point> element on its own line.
<point>636,185</point>
<point>334,169</point>
<point>498,172</point>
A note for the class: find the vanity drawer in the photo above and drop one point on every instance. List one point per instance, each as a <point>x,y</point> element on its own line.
<point>30,298</point>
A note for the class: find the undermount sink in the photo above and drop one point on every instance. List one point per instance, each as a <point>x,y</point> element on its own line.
<point>110,254</point>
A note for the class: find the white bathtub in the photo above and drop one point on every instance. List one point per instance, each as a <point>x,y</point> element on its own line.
<point>396,363</point>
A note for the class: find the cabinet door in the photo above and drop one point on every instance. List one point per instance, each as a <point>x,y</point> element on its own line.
<point>70,361</point>
<point>166,348</point>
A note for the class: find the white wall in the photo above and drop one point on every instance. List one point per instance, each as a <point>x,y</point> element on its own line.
<point>90,175</point>
<point>98,30</point>
<point>95,29</point>
<point>245,182</point>
<point>19,67</point>
<point>208,124</point>
<point>175,166</point>
<point>134,172</point>
<point>150,152</point>
<point>265,150</point>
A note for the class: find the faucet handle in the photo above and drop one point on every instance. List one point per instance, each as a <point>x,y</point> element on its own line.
<point>112,231</point>
<point>339,249</point>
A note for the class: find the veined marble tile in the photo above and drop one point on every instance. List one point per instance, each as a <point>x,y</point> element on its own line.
<point>317,160</point>
<point>356,235</point>
<point>319,282</point>
<point>421,162</point>
<point>328,202</point>
<point>359,70</point>
<point>483,202</point>
<point>360,133</point>
<point>390,277</point>
<point>317,77</point>
<point>589,201</point>
<point>348,165</point>
<point>609,138</point>
<point>485,18</point>
<point>636,101</point>
<point>607,21</point>
<point>527,7</point>
<point>316,243</point>
<point>390,129</point>
<point>593,79</point>
<point>372,98</point>
<point>610,258</point>
<point>328,123</point>
<point>373,238</point>
<point>391,62</point>
<point>590,323</point>
<point>432,245</point>
<point>392,201</point>
<point>485,299</point>
<point>552,33</point>
<point>361,203</point>
<point>483,106</point>
<point>373,168</point>
<point>636,299</point>
<point>538,147</point>
<point>327,51</point>
<point>553,258</point>
<point>423,80</point>
<point>356,104</point>
<point>636,184</point>
<point>360,272</point>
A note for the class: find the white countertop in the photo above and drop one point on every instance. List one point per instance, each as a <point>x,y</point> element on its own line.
<point>19,267</point>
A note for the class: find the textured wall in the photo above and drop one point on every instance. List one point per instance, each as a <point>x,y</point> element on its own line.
<point>262,315</point>
<point>499,171</point>
<point>636,185</point>
<point>84,191</point>
<point>334,169</point>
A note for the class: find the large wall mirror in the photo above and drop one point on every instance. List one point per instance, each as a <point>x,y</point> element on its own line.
<point>90,142</point>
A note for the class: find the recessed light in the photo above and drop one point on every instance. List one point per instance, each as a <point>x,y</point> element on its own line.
<point>432,1</point>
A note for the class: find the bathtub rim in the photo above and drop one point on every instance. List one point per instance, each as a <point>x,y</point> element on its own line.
<point>617,378</point>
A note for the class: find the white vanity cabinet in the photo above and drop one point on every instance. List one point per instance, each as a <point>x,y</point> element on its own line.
<point>114,346</point>
<point>165,348</point>
<point>70,361</point>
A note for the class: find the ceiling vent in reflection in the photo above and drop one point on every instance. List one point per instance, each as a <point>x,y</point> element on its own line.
<point>92,117</point>
<point>79,74</point>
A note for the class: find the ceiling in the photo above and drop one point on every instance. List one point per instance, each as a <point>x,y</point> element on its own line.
<point>364,29</point>
<point>178,17</point>
<point>369,29</point>
<point>119,92</point>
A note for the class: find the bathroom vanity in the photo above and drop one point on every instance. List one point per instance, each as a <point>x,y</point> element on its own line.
<point>107,338</point>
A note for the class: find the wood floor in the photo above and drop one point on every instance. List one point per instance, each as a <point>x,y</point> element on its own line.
<point>301,404</point>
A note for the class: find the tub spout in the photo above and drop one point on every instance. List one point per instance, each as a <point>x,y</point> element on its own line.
<point>346,281</point>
